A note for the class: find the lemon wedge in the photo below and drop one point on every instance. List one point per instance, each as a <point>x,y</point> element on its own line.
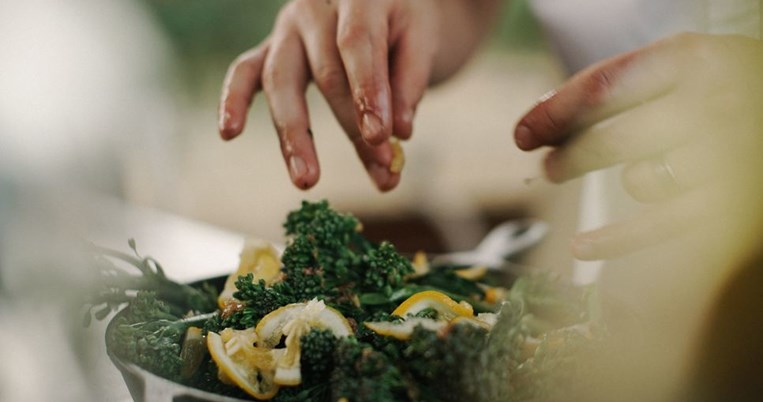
<point>473,273</point>
<point>446,307</point>
<point>402,330</point>
<point>250,368</point>
<point>493,295</point>
<point>398,156</point>
<point>258,258</point>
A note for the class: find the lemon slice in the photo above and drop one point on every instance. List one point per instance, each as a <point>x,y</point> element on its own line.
<point>446,307</point>
<point>473,273</point>
<point>402,330</point>
<point>250,368</point>
<point>484,320</point>
<point>313,314</point>
<point>398,156</point>
<point>293,321</point>
<point>259,258</point>
<point>420,264</point>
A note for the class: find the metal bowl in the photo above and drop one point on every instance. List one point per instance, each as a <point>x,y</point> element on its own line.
<point>146,386</point>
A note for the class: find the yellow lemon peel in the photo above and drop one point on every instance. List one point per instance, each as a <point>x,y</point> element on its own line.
<point>446,307</point>
<point>258,258</point>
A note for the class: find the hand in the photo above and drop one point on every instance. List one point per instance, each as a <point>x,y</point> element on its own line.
<point>684,117</point>
<point>371,60</point>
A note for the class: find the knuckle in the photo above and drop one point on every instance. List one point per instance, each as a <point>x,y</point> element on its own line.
<point>270,77</point>
<point>698,49</point>
<point>365,99</point>
<point>351,35</point>
<point>330,78</point>
<point>288,12</point>
<point>601,82</point>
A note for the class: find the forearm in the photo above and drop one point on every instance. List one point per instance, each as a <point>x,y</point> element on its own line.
<point>464,25</point>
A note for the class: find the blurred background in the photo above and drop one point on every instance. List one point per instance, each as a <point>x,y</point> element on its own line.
<point>108,132</point>
<point>122,99</point>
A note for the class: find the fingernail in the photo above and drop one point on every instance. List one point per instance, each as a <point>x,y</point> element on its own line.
<point>372,127</point>
<point>406,125</point>
<point>525,139</point>
<point>224,117</point>
<point>297,167</point>
<point>227,129</point>
<point>407,116</point>
<point>380,174</point>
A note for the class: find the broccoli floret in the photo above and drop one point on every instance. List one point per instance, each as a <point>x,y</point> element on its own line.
<point>328,257</point>
<point>304,272</point>
<point>502,356</point>
<point>316,393</point>
<point>329,228</point>
<point>324,238</point>
<point>258,299</point>
<point>362,374</point>
<point>148,334</point>
<point>443,365</point>
<point>317,356</point>
<point>385,269</point>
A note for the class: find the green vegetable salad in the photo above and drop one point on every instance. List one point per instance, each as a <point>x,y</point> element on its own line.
<point>337,317</point>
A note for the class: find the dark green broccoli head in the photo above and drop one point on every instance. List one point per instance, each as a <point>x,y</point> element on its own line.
<point>144,335</point>
<point>445,365</point>
<point>363,374</point>
<point>328,228</point>
<point>317,356</point>
<point>385,269</point>
<point>327,256</point>
<point>258,300</point>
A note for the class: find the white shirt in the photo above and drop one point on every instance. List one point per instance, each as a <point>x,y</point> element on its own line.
<point>585,31</point>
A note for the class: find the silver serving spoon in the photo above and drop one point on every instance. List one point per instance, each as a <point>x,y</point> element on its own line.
<point>502,242</point>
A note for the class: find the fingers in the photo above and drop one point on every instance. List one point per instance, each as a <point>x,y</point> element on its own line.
<point>362,43</point>
<point>675,172</point>
<point>598,92</point>
<point>411,69</point>
<point>655,226</point>
<point>285,78</point>
<point>318,30</point>
<point>378,162</point>
<point>241,82</point>
<point>641,132</point>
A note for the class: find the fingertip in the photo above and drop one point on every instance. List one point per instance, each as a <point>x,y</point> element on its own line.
<point>583,248</point>
<point>403,125</point>
<point>382,177</point>
<point>373,130</point>
<point>228,126</point>
<point>391,183</point>
<point>228,133</point>
<point>303,174</point>
<point>525,138</point>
